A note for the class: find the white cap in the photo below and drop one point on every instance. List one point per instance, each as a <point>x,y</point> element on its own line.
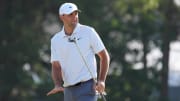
<point>67,8</point>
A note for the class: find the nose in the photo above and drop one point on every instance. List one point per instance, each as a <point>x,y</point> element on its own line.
<point>75,15</point>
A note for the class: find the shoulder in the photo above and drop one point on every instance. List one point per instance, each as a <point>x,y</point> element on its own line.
<point>56,36</point>
<point>86,27</point>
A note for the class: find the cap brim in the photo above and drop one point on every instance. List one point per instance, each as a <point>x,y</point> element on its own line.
<point>74,11</point>
<point>79,11</point>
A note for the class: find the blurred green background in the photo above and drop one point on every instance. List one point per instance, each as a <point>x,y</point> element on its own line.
<point>132,31</point>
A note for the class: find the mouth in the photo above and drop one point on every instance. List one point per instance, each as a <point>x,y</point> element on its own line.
<point>74,21</point>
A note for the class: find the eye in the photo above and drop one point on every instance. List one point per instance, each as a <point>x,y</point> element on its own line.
<point>71,14</point>
<point>74,13</point>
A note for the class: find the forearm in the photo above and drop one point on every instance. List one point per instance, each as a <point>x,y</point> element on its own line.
<point>104,66</point>
<point>57,78</point>
<point>56,74</point>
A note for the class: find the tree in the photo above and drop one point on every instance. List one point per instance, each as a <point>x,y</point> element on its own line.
<point>20,39</point>
<point>24,63</point>
<point>169,33</point>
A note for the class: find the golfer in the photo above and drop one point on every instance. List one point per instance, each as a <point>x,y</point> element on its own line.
<point>74,68</point>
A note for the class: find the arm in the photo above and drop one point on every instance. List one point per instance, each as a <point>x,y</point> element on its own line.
<point>57,78</point>
<point>56,74</point>
<point>104,67</point>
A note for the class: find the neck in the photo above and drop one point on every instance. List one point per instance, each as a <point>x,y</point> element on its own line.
<point>69,29</point>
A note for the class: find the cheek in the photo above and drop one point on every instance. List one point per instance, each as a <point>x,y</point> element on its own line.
<point>66,20</point>
<point>77,16</point>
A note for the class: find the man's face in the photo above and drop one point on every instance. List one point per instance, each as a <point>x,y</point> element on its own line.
<point>70,19</point>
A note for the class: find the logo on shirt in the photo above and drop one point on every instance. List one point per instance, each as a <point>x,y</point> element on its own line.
<point>78,38</point>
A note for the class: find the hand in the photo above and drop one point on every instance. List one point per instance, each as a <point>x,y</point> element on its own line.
<point>100,86</point>
<point>56,89</point>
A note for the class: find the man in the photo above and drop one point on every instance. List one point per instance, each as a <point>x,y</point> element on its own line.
<point>73,58</point>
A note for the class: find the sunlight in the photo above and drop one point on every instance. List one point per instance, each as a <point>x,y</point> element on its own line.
<point>177,2</point>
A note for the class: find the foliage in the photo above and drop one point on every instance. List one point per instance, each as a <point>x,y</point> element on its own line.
<point>24,63</point>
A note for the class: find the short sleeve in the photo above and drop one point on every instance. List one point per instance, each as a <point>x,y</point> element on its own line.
<point>96,41</point>
<point>54,56</point>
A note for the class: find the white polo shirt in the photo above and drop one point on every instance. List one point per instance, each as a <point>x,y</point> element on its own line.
<point>74,69</point>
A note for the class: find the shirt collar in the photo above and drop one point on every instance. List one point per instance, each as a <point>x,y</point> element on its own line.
<point>76,29</point>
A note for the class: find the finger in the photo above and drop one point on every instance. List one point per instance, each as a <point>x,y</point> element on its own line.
<point>99,88</point>
<point>52,92</point>
<point>49,93</point>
